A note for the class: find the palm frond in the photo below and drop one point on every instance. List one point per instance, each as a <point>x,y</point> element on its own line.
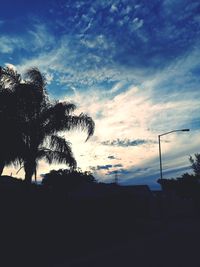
<point>35,77</point>
<point>57,150</point>
<point>9,77</point>
<point>81,122</point>
<point>54,116</point>
<point>57,157</point>
<point>58,111</point>
<point>60,144</point>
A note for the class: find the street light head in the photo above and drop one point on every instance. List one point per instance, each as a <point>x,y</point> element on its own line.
<point>185,130</point>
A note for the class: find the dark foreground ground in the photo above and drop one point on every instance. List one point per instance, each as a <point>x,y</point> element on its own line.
<point>44,228</point>
<point>176,243</point>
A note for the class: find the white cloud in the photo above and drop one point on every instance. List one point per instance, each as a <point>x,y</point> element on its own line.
<point>126,10</point>
<point>9,44</point>
<point>11,66</point>
<point>98,41</point>
<point>132,113</point>
<point>69,64</point>
<point>136,24</point>
<point>32,40</point>
<point>40,37</point>
<point>116,88</point>
<point>113,8</point>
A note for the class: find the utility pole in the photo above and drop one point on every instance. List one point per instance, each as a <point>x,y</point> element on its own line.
<point>159,143</point>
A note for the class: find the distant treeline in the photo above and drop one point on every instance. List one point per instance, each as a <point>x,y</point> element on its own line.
<point>188,185</point>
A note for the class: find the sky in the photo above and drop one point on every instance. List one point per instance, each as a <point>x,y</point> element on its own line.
<point>133,66</point>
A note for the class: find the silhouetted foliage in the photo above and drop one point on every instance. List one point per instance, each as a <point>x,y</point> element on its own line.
<point>188,184</point>
<point>67,179</point>
<point>10,132</point>
<point>31,123</point>
<point>195,164</point>
<point>185,186</point>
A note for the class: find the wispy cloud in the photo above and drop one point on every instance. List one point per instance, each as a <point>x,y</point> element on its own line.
<point>9,44</point>
<point>111,157</point>
<point>127,142</point>
<point>41,38</point>
<point>37,39</point>
<point>134,72</point>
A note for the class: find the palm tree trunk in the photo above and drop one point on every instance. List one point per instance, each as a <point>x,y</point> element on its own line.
<point>29,168</point>
<point>28,177</point>
<point>2,165</point>
<point>35,172</point>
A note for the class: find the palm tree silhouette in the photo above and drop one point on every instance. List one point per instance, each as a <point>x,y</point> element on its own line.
<point>10,133</point>
<point>38,122</point>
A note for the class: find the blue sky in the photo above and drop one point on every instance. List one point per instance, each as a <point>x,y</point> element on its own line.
<point>132,65</point>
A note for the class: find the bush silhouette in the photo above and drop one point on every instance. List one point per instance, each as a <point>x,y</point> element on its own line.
<point>67,179</point>
<point>188,184</point>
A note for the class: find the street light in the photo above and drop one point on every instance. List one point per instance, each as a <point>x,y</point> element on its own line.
<point>182,130</point>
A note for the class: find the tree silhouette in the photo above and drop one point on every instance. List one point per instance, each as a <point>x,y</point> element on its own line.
<point>10,133</point>
<point>195,164</point>
<point>187,184</point>
<point>65,179</point>
<point>38,122</point>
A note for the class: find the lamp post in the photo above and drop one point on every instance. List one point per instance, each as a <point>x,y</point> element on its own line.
<point>182,130</point>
